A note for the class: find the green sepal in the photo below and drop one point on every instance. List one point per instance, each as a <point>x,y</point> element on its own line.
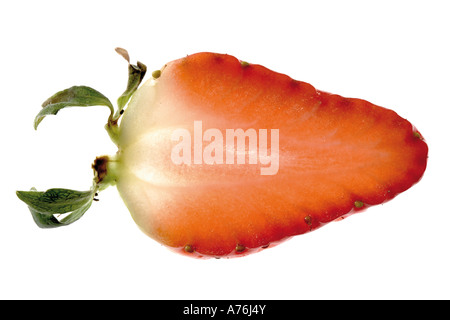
<point>45,205</point>
<point>76,96</point>
<point>136,74</point>
<point>44,221</point>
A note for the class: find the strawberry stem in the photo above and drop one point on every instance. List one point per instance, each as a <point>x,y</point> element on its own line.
<point>105,169</point>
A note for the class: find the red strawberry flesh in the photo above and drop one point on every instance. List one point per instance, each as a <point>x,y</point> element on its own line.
<point>336,156</point>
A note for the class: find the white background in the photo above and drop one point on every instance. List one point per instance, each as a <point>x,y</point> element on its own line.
<point>392,53</point>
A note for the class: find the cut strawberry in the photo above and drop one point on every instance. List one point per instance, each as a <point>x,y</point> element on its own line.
<point>335,156</point>
<point>219,157</point>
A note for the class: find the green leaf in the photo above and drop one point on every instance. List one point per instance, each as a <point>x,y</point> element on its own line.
<point>44,205</point>
<point>55,200</point>
<point>135,75</point>
<point>44,220</point>
<point>75,215</point>
<point>76,96</point>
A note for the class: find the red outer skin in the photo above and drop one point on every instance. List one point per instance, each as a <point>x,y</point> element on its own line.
<point>333,151</point>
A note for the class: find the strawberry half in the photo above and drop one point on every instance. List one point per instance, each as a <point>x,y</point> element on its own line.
<point>325,156</point>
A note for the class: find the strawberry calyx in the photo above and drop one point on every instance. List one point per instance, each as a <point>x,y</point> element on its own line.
<point>57,206</point>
